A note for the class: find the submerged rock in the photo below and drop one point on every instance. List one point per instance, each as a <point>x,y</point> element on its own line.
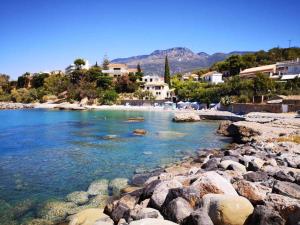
<point>55,211</point>
<point>98,187</point>
<point>116,185</point>
<point>139,132</point>
<point>135,119</point>
<point>39,222</point>
<point>89,217</point>
<point>78,197</point>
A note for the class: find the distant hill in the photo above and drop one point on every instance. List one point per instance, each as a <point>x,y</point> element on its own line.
<point>180,59</point>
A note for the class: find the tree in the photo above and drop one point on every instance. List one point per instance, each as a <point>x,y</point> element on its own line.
<point>79,63</point>
<point>124,84</point>
<point>167,76</point>
<point>56,84</point>
<point>139,74</point>
<point>24,80</point>
<point>104,82</point>
<point>38,80</point>
<point>262,85</point>
<point>4,82</point>
<point>108,97</point>
<point>105,63</point>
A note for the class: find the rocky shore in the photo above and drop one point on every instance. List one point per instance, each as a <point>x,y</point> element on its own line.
<point>255,180</point>
<point>11,105</point>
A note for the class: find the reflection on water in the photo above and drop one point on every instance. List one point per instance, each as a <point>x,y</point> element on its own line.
<point>48,154</point>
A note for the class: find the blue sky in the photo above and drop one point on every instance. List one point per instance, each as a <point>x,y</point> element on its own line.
<point>38,35</point>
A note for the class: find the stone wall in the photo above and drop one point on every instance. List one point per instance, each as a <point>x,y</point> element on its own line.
<point>243,108</point>
<point>142,102</point>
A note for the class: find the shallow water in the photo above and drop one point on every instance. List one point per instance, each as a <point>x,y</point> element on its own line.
<point>48,154</point>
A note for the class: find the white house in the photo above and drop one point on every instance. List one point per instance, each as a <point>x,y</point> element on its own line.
<point>288,70</point>
<point>117,69</point>
<point>213,77</point>
<point>156,85</point>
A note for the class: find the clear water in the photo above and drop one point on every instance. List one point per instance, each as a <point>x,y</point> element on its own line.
<point>48,154</point>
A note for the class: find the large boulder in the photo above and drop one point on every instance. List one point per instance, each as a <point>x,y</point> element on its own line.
<point>254,192</point>
<point>287,189</point>
<point>198,217</point>
<point>55,211</point>
<point>256,176</point>
<point>211,182</point>
<point>143,213</point>
<point>233,165</point>
<point>89,217</point>
<point>98,187</point>
<point>161,191</point>
<point>177,210</point>
<point>117,184</point>
<point>227,209</point>
<point>78,197</point>
<point>211,164</point>
<point>288,208</point>
<point>223,127</point>
<point>242,133</point>
<point>139,132</point>
<point>151,221</point>
<point>264,215</point>
<point>186,117</point>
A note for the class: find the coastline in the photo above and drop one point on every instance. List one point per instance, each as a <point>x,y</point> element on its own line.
<point>259,173</point>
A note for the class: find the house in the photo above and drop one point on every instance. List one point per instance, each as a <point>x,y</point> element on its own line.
<point>282,71</point>
<point>156,85</point>
<point>190,76</point>
<point>213,77</point>
<point>117,69</point>
<point>268,70</point>
<point>73,67</point>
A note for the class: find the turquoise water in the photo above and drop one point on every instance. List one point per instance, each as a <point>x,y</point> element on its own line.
<point>48,154</point>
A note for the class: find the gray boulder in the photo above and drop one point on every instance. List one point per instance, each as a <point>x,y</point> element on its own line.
<point>144,213</point>
<point>211,164</point>
<point>286,188</point>
<point>161,191</point>
<point>256,176</point>
<point>264,215</point>
<point>177,210</point>
<point>198,217</point>
<point>151,221</point>
<point>283,176</point>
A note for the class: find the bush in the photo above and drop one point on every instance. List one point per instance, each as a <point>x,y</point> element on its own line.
<point>243,99</point>
<point>108,97</point>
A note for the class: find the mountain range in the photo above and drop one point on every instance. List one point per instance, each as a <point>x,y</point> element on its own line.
<point>180,59</point>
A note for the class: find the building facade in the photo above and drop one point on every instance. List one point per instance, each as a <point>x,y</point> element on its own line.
<point>116,70</point>
<point>73,67</point>
<point>213,77</point>
<point>157,87</point>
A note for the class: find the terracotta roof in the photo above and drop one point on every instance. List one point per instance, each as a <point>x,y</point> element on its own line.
<point>112,65</point>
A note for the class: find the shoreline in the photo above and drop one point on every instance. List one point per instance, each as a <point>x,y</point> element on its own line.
<point>259,173</point>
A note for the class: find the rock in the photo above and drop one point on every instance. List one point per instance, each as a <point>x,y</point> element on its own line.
<point>288,208</point>
<point>161,191</point>
<point>98,187</point>
<point>286,188</point>
<point>227,209</point>
<point>55,211</point>
<point>228,164</point>
<point>264,215</point>
<point>151,221</point>
<point>254,192</point>
<point>256,176</point>
<point>211,164</point>
<point>39,222</point>
<point>130,189</point>
<point>140,179</point>
<point>292,160</point>
<point>139,132</point>
<point>198,217</point>
<point>89,217</point>
<point>192,196</point>
<point>78,197</point>
<point>117,184</point>
<point>186,117</point>
<point>223,127</point>
<point>6,213</point>
<point>144,213</point>
<point>211,182</point>
<point>84,101</point>
<point>135,119</point>
<point>282,176</point>
<point>242,133</point>
<point>177,210</point>
<point>23,207</point>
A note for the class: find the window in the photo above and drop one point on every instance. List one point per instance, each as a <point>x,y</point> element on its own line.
<point>150,79</point>
<point>145,80</point>
<point>117,68</point>
<point>148,88</point>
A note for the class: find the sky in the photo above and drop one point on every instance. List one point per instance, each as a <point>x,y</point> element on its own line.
<point>43,35</point>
